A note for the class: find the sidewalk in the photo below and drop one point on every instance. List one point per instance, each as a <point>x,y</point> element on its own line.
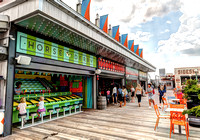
<point>129,122</point>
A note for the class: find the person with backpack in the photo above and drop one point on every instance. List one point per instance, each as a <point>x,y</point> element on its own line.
<point>150,95</point>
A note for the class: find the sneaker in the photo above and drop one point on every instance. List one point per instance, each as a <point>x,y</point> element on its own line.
<point>149,106</point>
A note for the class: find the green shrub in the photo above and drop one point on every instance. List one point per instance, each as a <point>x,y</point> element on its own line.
<point>192,89</point>
<point>195,111</point>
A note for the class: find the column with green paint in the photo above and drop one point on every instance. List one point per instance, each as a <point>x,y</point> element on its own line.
<point>60,53</point>
<point>80,59</point>
<point>71,55</point>
<point>21,42</point>
<point>94,62</point>
<point>31,45</point>
<point>76,57</point>
<point>47,49</point>
<point>87,59</point>
<point>54,51</point>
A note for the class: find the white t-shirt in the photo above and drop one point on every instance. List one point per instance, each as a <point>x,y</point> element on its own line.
<point>114,90</point>
<point>22,108</point>
<point>41,104</point>
<point>132,90</point>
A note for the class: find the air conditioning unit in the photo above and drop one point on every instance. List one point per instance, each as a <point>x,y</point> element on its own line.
<point>4,23</point>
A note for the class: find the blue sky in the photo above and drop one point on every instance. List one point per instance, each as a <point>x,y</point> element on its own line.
<point>167,30</point>
<point>160,28</point>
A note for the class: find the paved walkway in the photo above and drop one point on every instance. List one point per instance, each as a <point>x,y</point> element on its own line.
<point>130,122</point>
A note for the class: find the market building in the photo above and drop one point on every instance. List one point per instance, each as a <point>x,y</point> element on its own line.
<point>185,73</point>
<point>168,80</point>
<point>51,50</point>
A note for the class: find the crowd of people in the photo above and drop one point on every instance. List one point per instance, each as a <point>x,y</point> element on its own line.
<point>120,94</point>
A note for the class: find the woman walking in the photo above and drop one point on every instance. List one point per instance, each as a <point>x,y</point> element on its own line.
<point>150,95</point>
<point>161,94</point>
<point>138,92</point>
<point>132,94</point>
<point>125,92</point>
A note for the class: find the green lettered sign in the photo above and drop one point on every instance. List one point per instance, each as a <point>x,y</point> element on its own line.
<point>31,45</point>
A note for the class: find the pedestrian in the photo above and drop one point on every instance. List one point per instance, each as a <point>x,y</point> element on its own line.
<point>114,94</point>
<point>138,91</point>
<point>108,95</point>
<point>119,95</point>
<point>150,95</point>
<point>161,94</point>
<point>125,92</point>
<point>133,94</point>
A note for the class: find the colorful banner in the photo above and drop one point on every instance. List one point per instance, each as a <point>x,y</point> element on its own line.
<point>115,32</point>
<point>136,49</point>
<point>104,23</point>
<point>141,53</point>
<point>31,45</point>
<point>85,9</point>
<point>131,45</point>
<point>124,40</point>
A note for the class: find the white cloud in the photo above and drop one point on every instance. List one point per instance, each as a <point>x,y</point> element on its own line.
<point>140,36</point>
<point>182,49</point>
<point>168,22</point>
<point>165,31</point>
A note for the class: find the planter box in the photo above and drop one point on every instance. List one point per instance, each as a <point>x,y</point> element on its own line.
<point>193,120</point>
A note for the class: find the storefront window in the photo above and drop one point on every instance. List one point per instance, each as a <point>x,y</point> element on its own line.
<point>58,89</point>
<point>185,78</point>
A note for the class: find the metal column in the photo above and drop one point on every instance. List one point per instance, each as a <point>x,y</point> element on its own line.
<point>10,86</point>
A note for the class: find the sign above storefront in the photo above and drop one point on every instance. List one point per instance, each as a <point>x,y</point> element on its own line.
<point>131,73</point>
<point>142,75</point>
<point>187,71</point>
<point>31,45</point>
<point>110,66</point>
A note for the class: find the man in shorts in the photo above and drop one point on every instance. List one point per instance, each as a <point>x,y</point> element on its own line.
<point>150,95</point>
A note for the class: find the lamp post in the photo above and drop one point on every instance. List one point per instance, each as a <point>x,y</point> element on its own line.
<point>196,71</point>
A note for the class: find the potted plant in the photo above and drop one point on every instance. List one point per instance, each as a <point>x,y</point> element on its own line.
<point>192,93</point>
<point>193,115</point>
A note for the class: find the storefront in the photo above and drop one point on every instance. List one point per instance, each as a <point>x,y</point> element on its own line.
<point>143,79</point>
<point>131,77</point>
<point>63,76</point>
<point>112,74</point>
<point>62,48</point>
<point>183,74</point>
